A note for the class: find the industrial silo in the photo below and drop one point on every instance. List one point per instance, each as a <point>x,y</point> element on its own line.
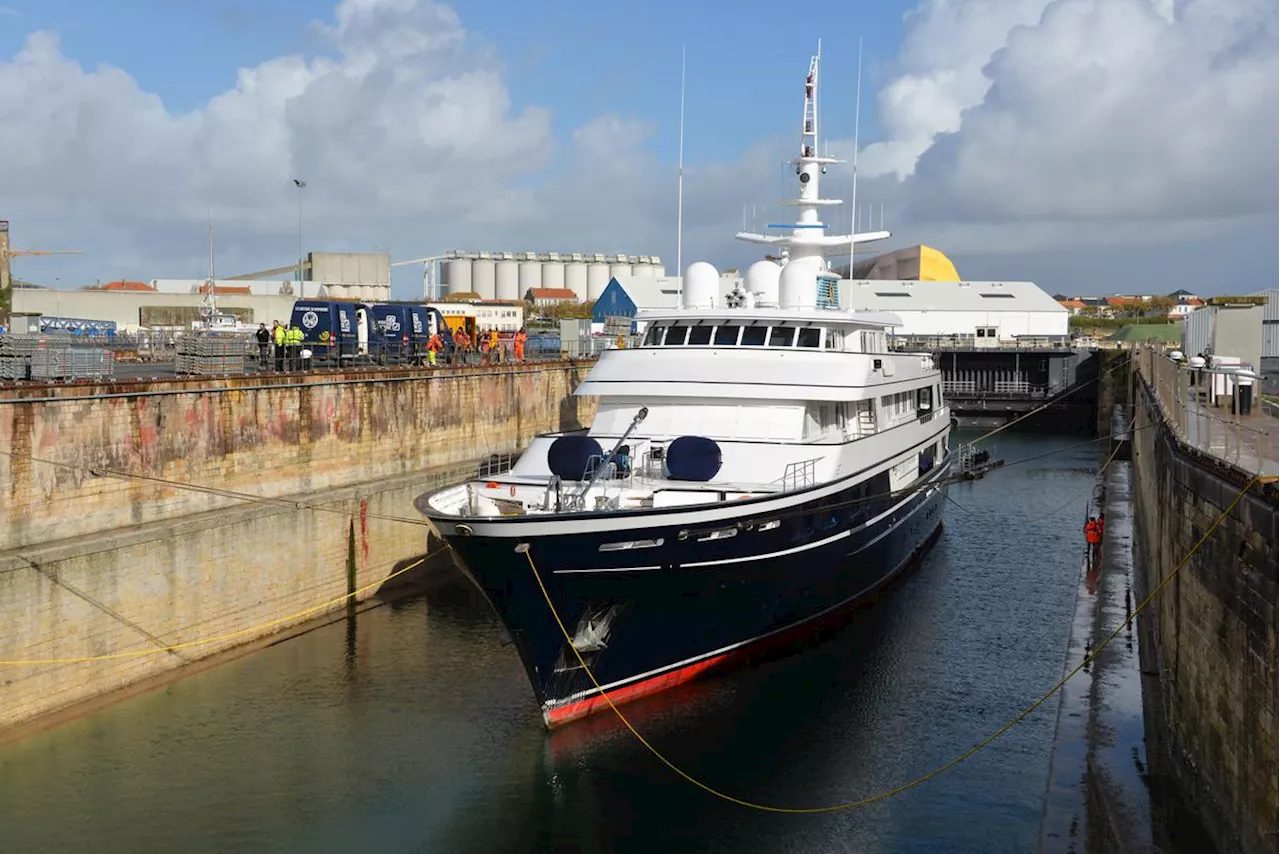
<point>575,276</point>
<point>530,271</point>
<point>457,275</point>
<point>552,271</point>
<point>655,264</point>
<point>508,273</point>
<point>620,266</point>
<point>597,276</point>
<point>484,276</point>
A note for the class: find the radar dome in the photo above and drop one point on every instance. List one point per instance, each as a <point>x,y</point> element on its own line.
<point>798,283</point>
<point>701,285</point>
<point>762,280</point>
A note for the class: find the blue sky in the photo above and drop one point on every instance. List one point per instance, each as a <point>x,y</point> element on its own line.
<point>579,58</point>
<point>982,131</point>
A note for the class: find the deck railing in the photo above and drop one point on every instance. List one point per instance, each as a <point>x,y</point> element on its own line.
<point>799,475</point>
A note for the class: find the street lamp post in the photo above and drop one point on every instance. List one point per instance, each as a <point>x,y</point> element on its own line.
<point>301,185</point>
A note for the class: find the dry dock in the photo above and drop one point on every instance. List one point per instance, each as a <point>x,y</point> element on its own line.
<point>148,525</point>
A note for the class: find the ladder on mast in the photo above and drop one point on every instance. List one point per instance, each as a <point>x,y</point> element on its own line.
<point>809,138</point>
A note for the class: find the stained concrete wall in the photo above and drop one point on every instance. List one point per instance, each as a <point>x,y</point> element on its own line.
<point>1208,644</point>
<point>103,566</point>
<point>303,435</point>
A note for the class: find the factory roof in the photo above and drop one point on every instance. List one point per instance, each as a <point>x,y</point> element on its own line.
<point>126,286</point>
<point>947,296</point>
<point>552,293</point>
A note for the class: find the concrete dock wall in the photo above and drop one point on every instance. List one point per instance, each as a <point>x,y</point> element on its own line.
<point>300,437</point>
<point>104,566</point>
<point>1208,643</point>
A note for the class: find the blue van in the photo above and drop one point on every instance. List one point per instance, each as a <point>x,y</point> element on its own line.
<point>400,331</point>
<point>330,329</point>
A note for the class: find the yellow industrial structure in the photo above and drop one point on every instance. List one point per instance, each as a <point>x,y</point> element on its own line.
<point>909,264</point>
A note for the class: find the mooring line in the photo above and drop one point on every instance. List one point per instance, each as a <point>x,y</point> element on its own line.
<point>323,606</point>
<point>918,781</point>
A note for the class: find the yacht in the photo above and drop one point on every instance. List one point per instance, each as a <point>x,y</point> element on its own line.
<point>761,462</point>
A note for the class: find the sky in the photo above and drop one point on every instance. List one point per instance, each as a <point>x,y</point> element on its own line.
<point>1091,146</point>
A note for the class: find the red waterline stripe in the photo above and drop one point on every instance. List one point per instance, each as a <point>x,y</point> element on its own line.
<point>560,715</point>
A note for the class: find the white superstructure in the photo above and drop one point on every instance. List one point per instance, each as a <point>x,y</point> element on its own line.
<point>792,388</point>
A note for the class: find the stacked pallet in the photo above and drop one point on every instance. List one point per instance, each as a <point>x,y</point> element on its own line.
<point>38,356</point>
<point>210,354</point>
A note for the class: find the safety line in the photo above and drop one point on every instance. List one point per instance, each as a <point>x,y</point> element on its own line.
<point>888,793</point>
<point>238,632</point>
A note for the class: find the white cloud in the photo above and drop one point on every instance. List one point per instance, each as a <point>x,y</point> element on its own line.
<point>946,45</point>
<point>1142,121</point>
<point>1009,125</point>
<point>406,123</point>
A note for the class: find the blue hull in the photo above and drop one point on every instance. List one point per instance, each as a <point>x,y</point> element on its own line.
<point>664,614</point>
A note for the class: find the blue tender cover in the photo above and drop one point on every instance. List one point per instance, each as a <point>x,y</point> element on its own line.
<point>569,456</point>
<point>693,458</point>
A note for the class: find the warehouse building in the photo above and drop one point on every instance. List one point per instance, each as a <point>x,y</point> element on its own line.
<point>1241,328</point>
<point>992,313</point>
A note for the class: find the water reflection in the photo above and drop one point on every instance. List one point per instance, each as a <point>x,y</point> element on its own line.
<point>411,728</point>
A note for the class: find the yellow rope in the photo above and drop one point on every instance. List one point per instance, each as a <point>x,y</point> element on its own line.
<point>229,635</point>
<point>888,793</point>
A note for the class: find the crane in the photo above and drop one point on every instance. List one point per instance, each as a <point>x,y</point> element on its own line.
<point>6,253</point>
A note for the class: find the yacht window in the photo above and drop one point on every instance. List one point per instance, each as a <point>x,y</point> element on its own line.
<point>653,337</point>
<point>829,336</point>
<point>810,336</point>
<point>753,336</point>
<point>726,336</point>
<point>675,336</point>
<point>781,336</point>
<point>924,399</point>
<point>699,335</point>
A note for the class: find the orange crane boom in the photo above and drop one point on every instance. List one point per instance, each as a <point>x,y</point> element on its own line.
<point>6,253</point>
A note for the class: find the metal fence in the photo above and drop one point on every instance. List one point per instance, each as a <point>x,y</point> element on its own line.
<point>1204,407</point>
<point>933,343</point>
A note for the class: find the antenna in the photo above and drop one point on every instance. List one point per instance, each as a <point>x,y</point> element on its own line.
<point>210,307</point>
<point>680,181</point>
<point>853,199</point>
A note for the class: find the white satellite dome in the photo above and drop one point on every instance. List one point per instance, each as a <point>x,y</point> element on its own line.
<point>798,283</point>
<point>762,280</point>
<point>701,285</point>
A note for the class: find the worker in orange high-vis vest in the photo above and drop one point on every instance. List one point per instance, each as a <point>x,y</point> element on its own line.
<point>1092,536</point>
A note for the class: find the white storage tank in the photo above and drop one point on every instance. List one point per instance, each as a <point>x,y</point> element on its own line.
<point>484,278</point>
<point>575,278</point>
<point>508,284</point>
<point>597,279</point>
<point>456,275</point>
<point>552,274</point>
<point>371,293</point>
<point>620,267</point>
<point>335,291</point>
<point>530,272</point>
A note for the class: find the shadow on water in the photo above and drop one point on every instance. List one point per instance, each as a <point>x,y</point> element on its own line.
<point>412,728</point>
